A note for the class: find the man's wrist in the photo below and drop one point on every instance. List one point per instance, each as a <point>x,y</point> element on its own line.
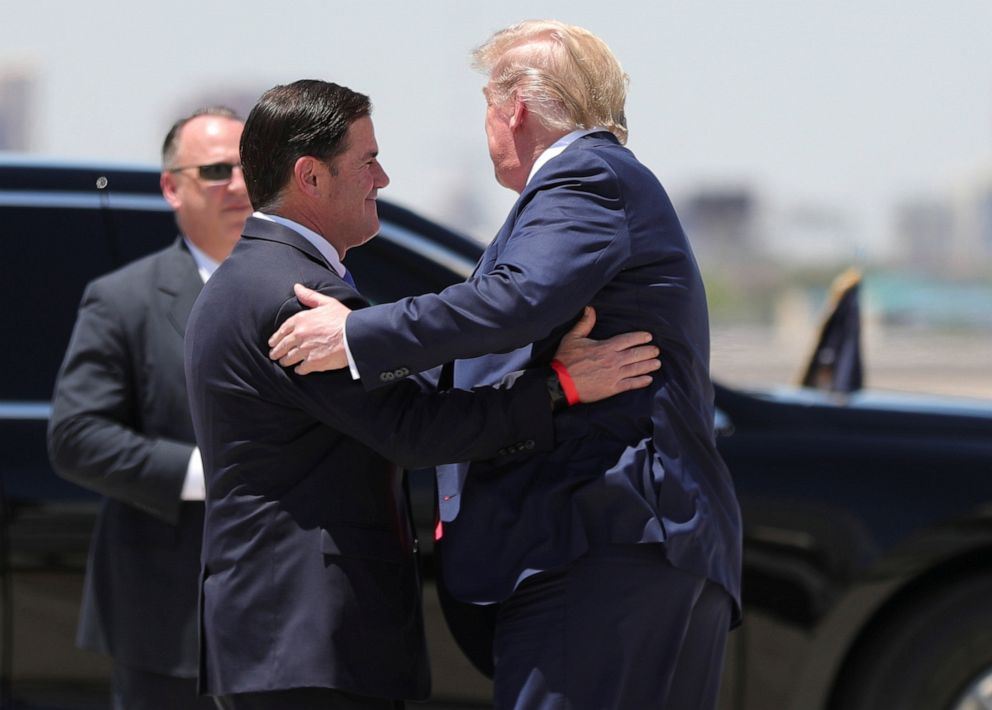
<point>565,380</point>
<point>559,402</point>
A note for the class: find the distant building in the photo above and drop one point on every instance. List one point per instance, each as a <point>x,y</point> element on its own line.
<point>923,234</point>
<point>17,87</point>
<point>971,255</point>
<point>722,223</point>
<point>814,235</point>
<point>732,226</point>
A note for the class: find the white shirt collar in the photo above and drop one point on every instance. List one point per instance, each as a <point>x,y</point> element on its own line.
<point>205,266</point>
<point>556,148</point>
<point>323,246</point>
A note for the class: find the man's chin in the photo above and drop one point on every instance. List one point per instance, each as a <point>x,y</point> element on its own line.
<point>233,232</point>
<point>235,221</point>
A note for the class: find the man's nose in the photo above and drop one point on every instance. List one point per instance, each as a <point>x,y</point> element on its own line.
<point>237,183</point>
<point>381,179</point>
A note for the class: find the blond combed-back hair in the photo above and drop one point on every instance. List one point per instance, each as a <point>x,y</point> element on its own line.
<point>565,75</point>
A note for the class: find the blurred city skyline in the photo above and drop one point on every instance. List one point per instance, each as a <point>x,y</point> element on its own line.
<point>834,120</point>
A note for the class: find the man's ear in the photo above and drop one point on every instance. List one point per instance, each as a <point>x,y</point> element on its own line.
<point>307,172</point>
<point>519,115</point>
<point>167,182</point>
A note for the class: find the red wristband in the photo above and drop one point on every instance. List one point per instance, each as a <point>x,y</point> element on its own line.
<point>567,385</point>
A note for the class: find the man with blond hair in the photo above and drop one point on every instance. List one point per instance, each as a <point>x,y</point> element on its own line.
<point>615,558</point>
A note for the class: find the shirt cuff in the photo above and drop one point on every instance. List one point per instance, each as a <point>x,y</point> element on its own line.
<point>194,487</point>
<point>347,351</point>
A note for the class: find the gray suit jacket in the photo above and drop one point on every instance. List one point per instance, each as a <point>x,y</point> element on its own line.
<point>120,426</point>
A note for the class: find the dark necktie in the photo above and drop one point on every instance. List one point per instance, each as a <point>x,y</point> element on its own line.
<point>348,279</point>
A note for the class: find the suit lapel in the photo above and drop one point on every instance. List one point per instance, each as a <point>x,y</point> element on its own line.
<point>179,285</point>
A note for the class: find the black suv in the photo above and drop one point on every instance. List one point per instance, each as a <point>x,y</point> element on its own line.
<point>868,517</point>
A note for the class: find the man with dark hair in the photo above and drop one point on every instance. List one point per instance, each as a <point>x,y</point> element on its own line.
<point>300,126</point>
<point>120,426</point>
<point>310,590</point>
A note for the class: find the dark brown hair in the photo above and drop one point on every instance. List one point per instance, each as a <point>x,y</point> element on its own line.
<point>307,117</point>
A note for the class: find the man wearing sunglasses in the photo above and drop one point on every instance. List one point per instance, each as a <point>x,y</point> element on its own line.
<point>121,426</point>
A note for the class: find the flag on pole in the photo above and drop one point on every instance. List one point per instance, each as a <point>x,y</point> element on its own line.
<point>835,364</point>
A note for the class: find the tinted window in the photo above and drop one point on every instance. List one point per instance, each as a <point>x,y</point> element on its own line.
<point>50,254</point>
<point>385,271</point>
<point>135,233</point>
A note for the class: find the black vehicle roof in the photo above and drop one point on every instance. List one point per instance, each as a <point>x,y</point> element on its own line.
<point>34,174</point>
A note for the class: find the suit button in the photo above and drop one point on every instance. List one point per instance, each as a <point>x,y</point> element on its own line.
<point>386,376</point>
<point>529,444</point>
<point>501,452</point>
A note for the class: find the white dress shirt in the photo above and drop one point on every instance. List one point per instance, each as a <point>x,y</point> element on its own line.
<point>194,487</point>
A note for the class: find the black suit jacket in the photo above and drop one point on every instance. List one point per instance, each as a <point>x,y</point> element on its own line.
<point>309,568</point>
<point>120,426</point>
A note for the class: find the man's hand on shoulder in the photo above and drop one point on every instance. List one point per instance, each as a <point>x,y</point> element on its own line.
<point>313,339</point>
<point>602,368</point>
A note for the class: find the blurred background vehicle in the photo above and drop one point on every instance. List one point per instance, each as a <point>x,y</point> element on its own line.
<point>868,514</point>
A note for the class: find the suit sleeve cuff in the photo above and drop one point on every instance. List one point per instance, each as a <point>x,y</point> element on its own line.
<point>194,486</point>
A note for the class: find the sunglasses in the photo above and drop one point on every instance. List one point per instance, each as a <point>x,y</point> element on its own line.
<point>215,172</point>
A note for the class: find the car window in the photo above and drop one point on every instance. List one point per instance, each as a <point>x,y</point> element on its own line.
<point>50,253</point>
<point>386,271</point>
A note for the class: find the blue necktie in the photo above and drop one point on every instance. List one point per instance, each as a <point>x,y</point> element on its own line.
<point>348,279</point>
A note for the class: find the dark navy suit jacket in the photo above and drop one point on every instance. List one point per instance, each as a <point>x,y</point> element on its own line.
<point>120,425</point>
<point>309,570</point>
<point>593,226</point>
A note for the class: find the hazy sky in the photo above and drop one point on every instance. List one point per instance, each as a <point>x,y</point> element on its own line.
<point>848,104</point>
